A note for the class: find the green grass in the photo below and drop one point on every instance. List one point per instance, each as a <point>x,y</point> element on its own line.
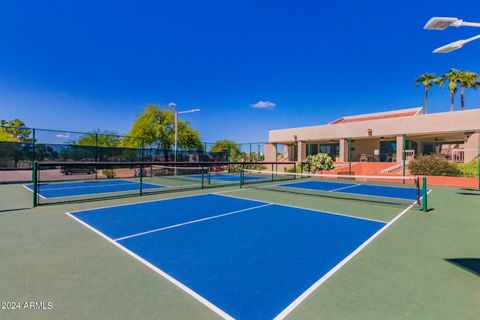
<point>404,273</point>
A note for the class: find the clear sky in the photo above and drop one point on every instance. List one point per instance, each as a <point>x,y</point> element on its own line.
<point>85,65</point>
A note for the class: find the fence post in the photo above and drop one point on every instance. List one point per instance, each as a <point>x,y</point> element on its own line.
<point>141,179</point>
<point>96,155</point>
<point>276,157</point>
<point>34,157</point>
<point>478,161</point>
<point>404,155</point>
<point>35,183</point>
<point>349,155</point>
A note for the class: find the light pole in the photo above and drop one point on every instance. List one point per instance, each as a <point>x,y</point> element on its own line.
<point>173,107</point>
<point>441,23</point>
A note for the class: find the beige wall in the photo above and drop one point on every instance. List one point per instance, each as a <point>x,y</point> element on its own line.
<point>400,148</point>
<point>269,152</point>
<point>343,154</point>
<point>468,120</point>
<point>302,151</point>
<point>472,147</point>
<point>365,146</point>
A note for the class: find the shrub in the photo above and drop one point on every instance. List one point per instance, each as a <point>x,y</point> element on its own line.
<point>109,173</point>
<point>469,169</point>
<point>318,162</point>
<point>433,166</point>
<point>235,168</point>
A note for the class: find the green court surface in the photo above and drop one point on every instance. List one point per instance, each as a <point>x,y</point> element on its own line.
<point>424,266</point>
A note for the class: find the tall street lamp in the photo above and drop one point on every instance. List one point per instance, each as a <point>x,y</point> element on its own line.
<point>441,23</point>
<point>173,107</point>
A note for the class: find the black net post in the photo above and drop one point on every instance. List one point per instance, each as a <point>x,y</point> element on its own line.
<point>424,190</point>
<point>241,177</point>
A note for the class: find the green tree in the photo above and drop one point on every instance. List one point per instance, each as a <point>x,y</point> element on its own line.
<point>427,80</point>
<point>15,129</point>
<point>233,150</point>
<point>155,126</point>
<point>7,137</point>
<point>99,138</point>
<point>467,79</point>
<point>452,77</point>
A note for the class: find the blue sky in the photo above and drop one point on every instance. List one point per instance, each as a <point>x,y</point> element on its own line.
<point>88,65</point>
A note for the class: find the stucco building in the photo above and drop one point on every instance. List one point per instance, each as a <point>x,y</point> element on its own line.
<point>382,137</point>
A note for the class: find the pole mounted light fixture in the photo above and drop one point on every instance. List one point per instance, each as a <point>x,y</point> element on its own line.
<point>173,107</point>
<point>441,23</point>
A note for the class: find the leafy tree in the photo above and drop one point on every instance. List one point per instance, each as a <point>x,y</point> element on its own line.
<point>99,138</point>
<point>12,132</point>
<point>233,149</point>
<point>427,80</point>
<point>45,152</point>
<point>155,126</point>
<point>467,79</point>
<point>15,128</point>
<point>7,137</point>
<point>452,77</point>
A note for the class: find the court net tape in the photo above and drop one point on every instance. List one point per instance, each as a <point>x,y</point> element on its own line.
<point>405,190</point>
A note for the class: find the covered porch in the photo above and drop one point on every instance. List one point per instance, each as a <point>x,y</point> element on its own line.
<point>454,146</point>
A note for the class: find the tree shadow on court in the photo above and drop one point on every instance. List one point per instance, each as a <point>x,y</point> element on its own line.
<point>469,264</point>
<point>469,193</point>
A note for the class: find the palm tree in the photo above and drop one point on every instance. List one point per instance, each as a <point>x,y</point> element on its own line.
<point>467,79</point>
<point>427,80</point>
<point>452,77</point>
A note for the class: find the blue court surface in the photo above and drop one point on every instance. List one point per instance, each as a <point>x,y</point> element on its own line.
<point>242,258</point>
<point>72,189</point>
<point>357,188</point>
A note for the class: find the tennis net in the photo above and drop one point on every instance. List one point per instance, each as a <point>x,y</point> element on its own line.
<point>60,182</point>
<point>386,189</point>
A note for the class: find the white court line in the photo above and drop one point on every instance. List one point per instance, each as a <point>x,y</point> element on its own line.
<point>207,303</point>
<point>332,271</point>
<point>180,285</point>
<point>193,221</point>
<point>148,201</point>
<point>334,190</point>
<point>302,208</point>
<point>347,193</point>
<point>31,190</point>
